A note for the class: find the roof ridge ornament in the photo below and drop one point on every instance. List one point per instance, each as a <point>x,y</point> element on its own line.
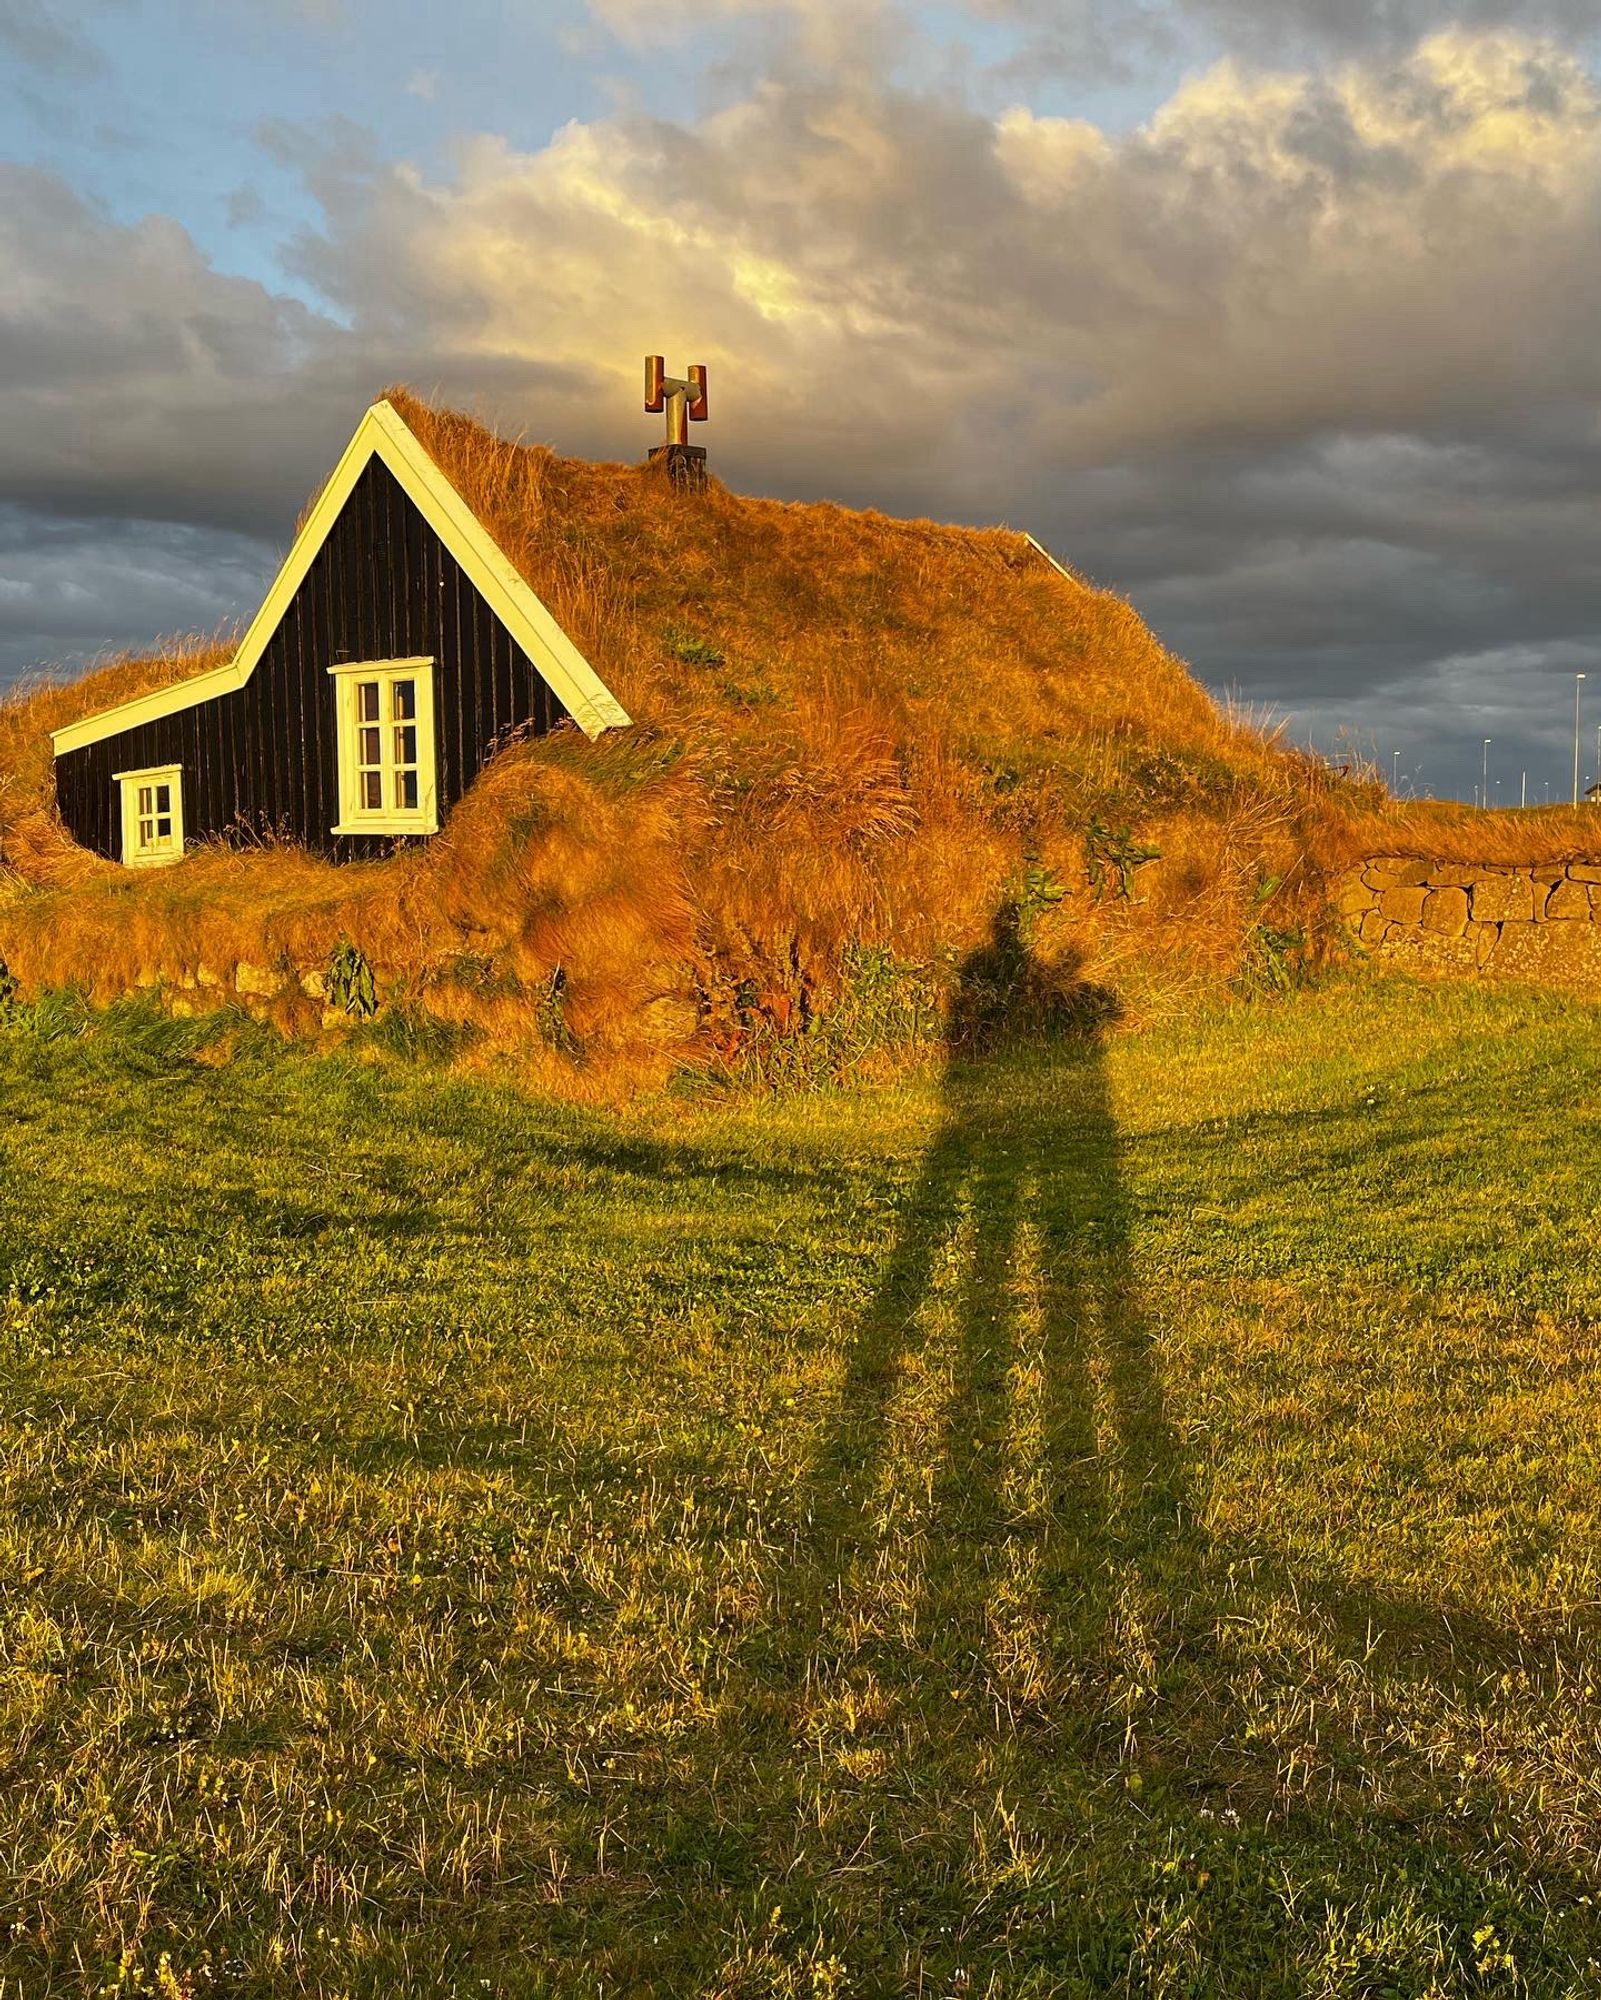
<point>684,401</point>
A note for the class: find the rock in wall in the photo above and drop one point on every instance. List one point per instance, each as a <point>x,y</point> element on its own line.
<point>1539,923</point>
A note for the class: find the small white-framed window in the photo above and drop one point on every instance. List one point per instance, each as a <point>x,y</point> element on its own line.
<point>388,776</point>
<point>152,815</point>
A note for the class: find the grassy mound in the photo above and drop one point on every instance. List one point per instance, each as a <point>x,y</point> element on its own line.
<point>856,738</point>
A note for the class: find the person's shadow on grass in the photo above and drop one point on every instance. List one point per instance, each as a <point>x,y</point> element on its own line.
<point>997,1444</point>
<point>1055,1481</point>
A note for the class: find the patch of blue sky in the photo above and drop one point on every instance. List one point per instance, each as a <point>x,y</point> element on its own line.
<point>169,117</point>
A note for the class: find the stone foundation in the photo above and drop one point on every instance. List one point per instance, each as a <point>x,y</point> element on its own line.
<point>1540,923</point>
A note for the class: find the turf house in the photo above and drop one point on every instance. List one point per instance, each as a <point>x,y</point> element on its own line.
<point>610,770</point>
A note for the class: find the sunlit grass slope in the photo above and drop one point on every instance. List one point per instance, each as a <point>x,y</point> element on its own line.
<point>852,734</point>
<point>1112,1521</point>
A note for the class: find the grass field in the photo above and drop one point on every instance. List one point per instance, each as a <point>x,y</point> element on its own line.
<point>1114,1520</point>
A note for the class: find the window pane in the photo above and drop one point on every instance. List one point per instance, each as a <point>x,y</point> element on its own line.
<point>370,739</point>
<point>406,744</point>
<point>163,798</point>
<point>405,700</point>
<point>164,829</point>
<point>144,799</point>
<point>367,701</point>
<point>406,790</point>
<point>147,832</point>
<point>372,790</point>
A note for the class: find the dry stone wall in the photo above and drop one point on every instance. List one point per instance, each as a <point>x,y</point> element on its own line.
<point>1541,924</point>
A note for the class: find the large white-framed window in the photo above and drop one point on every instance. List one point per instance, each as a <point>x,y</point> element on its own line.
<point>152,815</point>
<point>388,773</point>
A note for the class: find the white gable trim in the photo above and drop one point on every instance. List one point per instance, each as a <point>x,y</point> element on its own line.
<point>1061,570</point>
<point>383,434</point>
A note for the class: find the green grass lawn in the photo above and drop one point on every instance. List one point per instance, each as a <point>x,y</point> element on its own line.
<point>1116,1520</point>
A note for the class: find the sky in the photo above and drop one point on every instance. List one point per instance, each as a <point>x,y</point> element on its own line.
<point>1283,317</point>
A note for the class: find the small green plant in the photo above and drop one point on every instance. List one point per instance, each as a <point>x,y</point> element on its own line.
<point>694,651</point>
<point>758,692</point>
<point>1275,960</point>
<point>1004,778</point>
<point>1163,777</point>
<point>351,987</point>
<point>1110,859</point>
<point>1040,890</point>
<point>1275,954</point>
<point>9,990</point>
<point>480,972</point>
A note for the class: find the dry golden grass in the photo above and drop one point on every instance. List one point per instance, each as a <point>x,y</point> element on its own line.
<point>852,733</point>
<point>1445,830</point>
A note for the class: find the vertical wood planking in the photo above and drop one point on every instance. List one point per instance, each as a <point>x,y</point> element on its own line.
<point>313,663</point>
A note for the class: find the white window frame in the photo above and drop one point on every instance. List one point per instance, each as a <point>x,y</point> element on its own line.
<point>161,853</point>
<point>355,815</point>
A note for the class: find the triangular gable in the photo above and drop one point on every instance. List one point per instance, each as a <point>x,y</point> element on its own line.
<point>382,433</point>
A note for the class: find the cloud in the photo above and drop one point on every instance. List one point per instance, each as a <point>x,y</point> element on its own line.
<point>1273,256</point>
<point>772,39</point>
<point>1308,361</point>
<point>1281,254</point>
<point>34,33</point>
<point>71,589</point>
<point>245,206</point>
<point>1369,26</point>
<point>1112,38</point>
<point>137,380</point>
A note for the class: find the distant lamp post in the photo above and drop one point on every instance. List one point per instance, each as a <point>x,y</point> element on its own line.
<point>1395,767</point>
<point>1578,683</point>
<point>1523,793</point>
<point>1484,783</point>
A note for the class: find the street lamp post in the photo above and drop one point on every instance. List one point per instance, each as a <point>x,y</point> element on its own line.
<point>1484,787</point>
<point>1578,683</point>
<point>1395,766</point>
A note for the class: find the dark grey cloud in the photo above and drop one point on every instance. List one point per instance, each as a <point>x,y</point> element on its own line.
<point>136,380</point>
<point>1357,27</point>
<point>1392,591</point>
<point>70,590</point>
<point>1122,40</point>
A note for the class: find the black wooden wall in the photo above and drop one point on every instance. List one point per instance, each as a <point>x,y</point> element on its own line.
<point>382,587</point>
